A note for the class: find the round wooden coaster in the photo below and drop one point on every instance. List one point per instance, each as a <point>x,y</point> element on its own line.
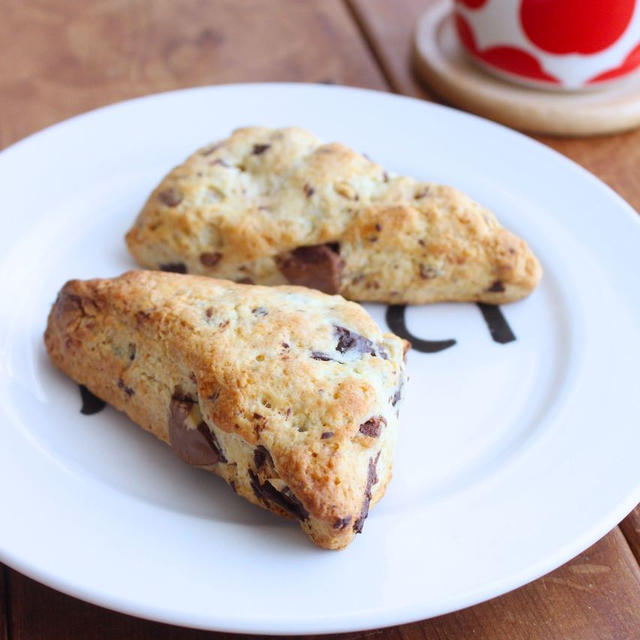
<point>441,62</point>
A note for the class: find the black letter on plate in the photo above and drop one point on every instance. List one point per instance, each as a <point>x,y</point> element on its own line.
<point>395,320</point>
<point>498,326</point>
<point>90,404</point>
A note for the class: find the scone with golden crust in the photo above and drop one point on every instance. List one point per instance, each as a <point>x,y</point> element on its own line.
<point>275,206</point>
<point>289,394</point>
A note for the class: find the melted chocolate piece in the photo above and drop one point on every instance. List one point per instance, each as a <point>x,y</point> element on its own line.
<point>260,148</point>
<point>260,456</point>
<point>90,403</point>
<point>342,523</point>
<point>396,322</point>
<point>210,258</point>
<point>319,355</point>
<point>128,390</point>
<point>171,197</point>
<point>318,266</point>
<point>397,395</point>
<point>257,489</point>
<point>260,312</point>
<point>372,478</point>
<point>348,340</point>
<point>174,267</point>
<point>308,190</point>
<point>498,326</point>
<point>496,287</point>
<point>326,434</point>
<point>285,499</point>
<point>132,351</point>
<point>373,426</point>
<point>196,446</point>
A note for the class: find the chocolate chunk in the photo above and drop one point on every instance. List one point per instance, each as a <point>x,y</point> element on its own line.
<point>257,488</point>
<point>260,312</point>
<point>208,312</point>
<point>326,434</point>
<point>196,446</point>
<point>318,266</point>
<point>308,190</point>
<point>427,272</point>
<point>285,499</point>
<point>342,523</point>
<point>318,355</point>
<point>128,390</point>
<point>210,259</point>
<point>90,403</point>
<point>260,148</point>
<point>372,478</point>
<point>174,267</point>
<point>373,426</point>
<point>397,395</point>
<point>244,281</point>
<point>260,456</point>
<point>496,287</point>
<point>132,351</point>
<point>171,197</point>
<point>378,226</point>
<point>348,340</point>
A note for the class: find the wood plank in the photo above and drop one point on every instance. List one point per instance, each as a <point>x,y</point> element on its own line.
<point>40,612</point>
<point>630,528</point>
<point>64,57</point>
<point>593,597</point>
<point>389,27</point>
<point>4,603</point>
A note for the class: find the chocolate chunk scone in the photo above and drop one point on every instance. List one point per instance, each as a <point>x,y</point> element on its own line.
<point>289,394</point>
<point>276,206</point>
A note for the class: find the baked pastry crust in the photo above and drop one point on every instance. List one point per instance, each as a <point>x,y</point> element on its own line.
<point>276,206</point>
<point>289,394</point>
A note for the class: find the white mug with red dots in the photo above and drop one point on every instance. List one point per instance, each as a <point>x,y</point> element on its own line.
<point>556,44</point>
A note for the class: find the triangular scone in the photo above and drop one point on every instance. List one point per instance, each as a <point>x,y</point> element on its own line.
<point>289,394</point>
<point>276,206</point>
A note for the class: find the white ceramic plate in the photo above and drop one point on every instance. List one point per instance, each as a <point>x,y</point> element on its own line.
<point>512,457</point>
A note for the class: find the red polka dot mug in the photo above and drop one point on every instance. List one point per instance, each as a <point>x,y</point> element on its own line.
<point>562,44</point>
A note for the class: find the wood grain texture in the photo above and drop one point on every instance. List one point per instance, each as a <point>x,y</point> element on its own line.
<point>389,27</point>
<point>63,57</point>
<point>630,527</point>
<point>593,597</point>
<point>4,603</point>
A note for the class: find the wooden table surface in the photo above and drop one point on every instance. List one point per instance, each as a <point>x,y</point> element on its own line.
<point>63,57</point>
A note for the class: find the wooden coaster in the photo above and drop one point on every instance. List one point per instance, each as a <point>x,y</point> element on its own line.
<point>441,62</point>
